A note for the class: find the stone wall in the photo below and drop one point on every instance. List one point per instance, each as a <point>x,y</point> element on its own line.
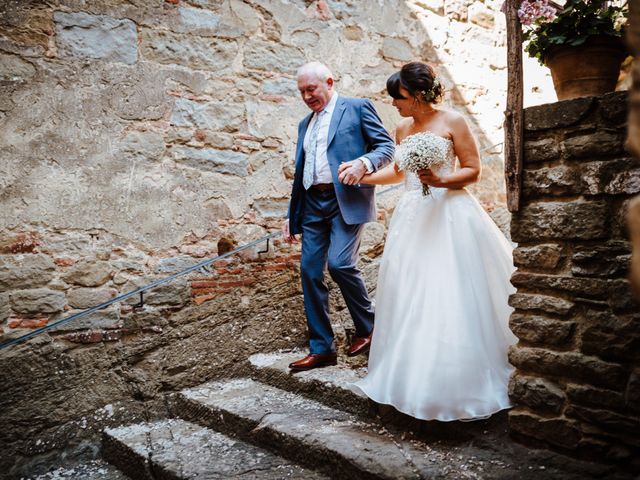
<point>578,358</point>
<point>136,135</point>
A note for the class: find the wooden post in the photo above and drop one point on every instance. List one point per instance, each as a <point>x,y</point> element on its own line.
<point>513,122</point>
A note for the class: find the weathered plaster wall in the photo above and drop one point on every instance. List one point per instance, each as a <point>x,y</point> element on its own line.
<point>578,357</point>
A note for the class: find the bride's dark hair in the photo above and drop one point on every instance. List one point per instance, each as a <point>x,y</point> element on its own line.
<point>419,80</point>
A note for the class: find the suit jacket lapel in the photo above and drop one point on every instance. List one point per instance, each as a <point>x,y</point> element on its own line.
<point>300,145</point>
<point>335,119</point>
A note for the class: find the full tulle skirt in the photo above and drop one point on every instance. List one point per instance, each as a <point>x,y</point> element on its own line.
<point>440,340</point>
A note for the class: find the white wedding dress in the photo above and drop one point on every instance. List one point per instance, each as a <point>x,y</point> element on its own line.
<point>439,349</point>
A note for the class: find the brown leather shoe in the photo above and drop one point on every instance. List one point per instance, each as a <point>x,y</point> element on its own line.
<point>359,345</point>
<point>314,360</point>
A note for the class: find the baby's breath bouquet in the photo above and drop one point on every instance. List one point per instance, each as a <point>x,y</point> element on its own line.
<point>419,152</point>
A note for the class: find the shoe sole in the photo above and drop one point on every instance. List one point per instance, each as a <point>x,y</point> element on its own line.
<point>319,365</point>
<point>359,352</point>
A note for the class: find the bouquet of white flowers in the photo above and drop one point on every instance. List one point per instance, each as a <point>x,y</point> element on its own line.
<point>418,152</point>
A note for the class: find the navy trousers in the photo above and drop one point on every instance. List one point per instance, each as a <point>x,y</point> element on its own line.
<point>327,241</point>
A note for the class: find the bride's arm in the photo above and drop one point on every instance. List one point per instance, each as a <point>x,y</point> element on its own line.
<point>385,176</point>
<point>467,152</point>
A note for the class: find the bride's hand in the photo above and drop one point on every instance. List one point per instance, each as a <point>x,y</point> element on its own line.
<point>429,177</point>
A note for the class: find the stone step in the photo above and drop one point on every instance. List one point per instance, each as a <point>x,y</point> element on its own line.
<point>91,470</point>
<point>344,445</point>
<point>176,449</point>
<point>328,385</point>
<point>309,432</point>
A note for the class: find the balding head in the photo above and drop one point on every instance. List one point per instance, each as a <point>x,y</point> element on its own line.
<point>315,69</point>
<point>315,83</point>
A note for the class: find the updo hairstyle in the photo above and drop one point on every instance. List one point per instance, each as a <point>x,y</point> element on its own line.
<point>419,80</point>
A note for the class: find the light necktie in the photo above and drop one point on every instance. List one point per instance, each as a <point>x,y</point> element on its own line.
<point>310,160</point>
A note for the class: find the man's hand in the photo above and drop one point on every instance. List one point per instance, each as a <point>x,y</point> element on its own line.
<point>350,173</point>
<point>286,234</point>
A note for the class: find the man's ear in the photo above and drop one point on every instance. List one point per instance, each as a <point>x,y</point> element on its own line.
<point>330,82</point>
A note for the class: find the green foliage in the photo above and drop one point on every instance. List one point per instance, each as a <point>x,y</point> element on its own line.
<point>574,24</point>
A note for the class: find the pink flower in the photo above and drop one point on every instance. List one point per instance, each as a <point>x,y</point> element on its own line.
<point>531,11</point>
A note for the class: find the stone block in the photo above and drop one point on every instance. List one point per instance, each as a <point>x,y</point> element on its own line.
<point>199,21</point>
<point>212,160</point>
<point>15,69</point>
<point>81,35</point>
<point>537,393</point>
<point>538,330</point>
<point>621,298</point>
<point>545,256</point>
<point>605,419</point>
<point>25,271</point>
<point>597,175</point>
<point>542,150</point>
<point>280,86</point>
<point>89,297</point>
<point>271,207</point>
<point>560,220</point>
<point>372,235</point>
<point>190,51</point>
<point>479,14</point>
<point>613,108</point>
<point>175,264</point>
<point>608,260</point>
<point>561,432</point>
<point>569,365</point>
<point>227,116</point>
<point>396,49</point>
<point>557,115</point>
<point>626,182</point>
<point>552,181</point>
<point>594,145</point>
<point>272,57</point>
<point>37,300</point>
<point>5,309</point>
<point>610,336</point>
<point>174,294</point>
<point>595,397</point>
<point>544,303</point>
<point>576,287</point>
<point>89,273</point>
<point>102,319</point>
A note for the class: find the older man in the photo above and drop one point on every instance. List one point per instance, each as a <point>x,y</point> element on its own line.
<point>330,214</point>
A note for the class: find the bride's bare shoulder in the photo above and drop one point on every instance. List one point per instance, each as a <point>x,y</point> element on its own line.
<point>402,129</point>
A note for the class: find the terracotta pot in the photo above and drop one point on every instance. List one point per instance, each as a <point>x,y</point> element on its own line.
<point>587,70</point>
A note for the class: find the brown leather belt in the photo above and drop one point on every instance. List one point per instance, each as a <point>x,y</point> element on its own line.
<point>322,187</point>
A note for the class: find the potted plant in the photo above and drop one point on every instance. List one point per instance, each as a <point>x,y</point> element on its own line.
<point>581,43</point>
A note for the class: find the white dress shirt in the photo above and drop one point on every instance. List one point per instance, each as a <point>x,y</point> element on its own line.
<point>322,170</point>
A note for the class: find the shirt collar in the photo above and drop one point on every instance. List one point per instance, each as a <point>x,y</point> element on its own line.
<point>331,105</point>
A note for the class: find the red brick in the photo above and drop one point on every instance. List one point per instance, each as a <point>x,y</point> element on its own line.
<point>21,243</point>
<point>204,284</point>
<point>64,261</point>
<point>173,2</point>
<point>28,322</point>
<point>202,299</point>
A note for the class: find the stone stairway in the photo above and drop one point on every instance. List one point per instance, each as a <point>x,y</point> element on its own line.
<point>275,425</point>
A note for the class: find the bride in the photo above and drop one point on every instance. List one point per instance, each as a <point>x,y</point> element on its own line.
<point>439,347</point>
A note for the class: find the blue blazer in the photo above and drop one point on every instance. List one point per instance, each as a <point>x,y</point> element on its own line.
<point>355,131</point>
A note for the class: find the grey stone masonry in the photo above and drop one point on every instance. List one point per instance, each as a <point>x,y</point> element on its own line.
<point>575,317</point>
<point>83,35</point>
<point>178,449</point>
